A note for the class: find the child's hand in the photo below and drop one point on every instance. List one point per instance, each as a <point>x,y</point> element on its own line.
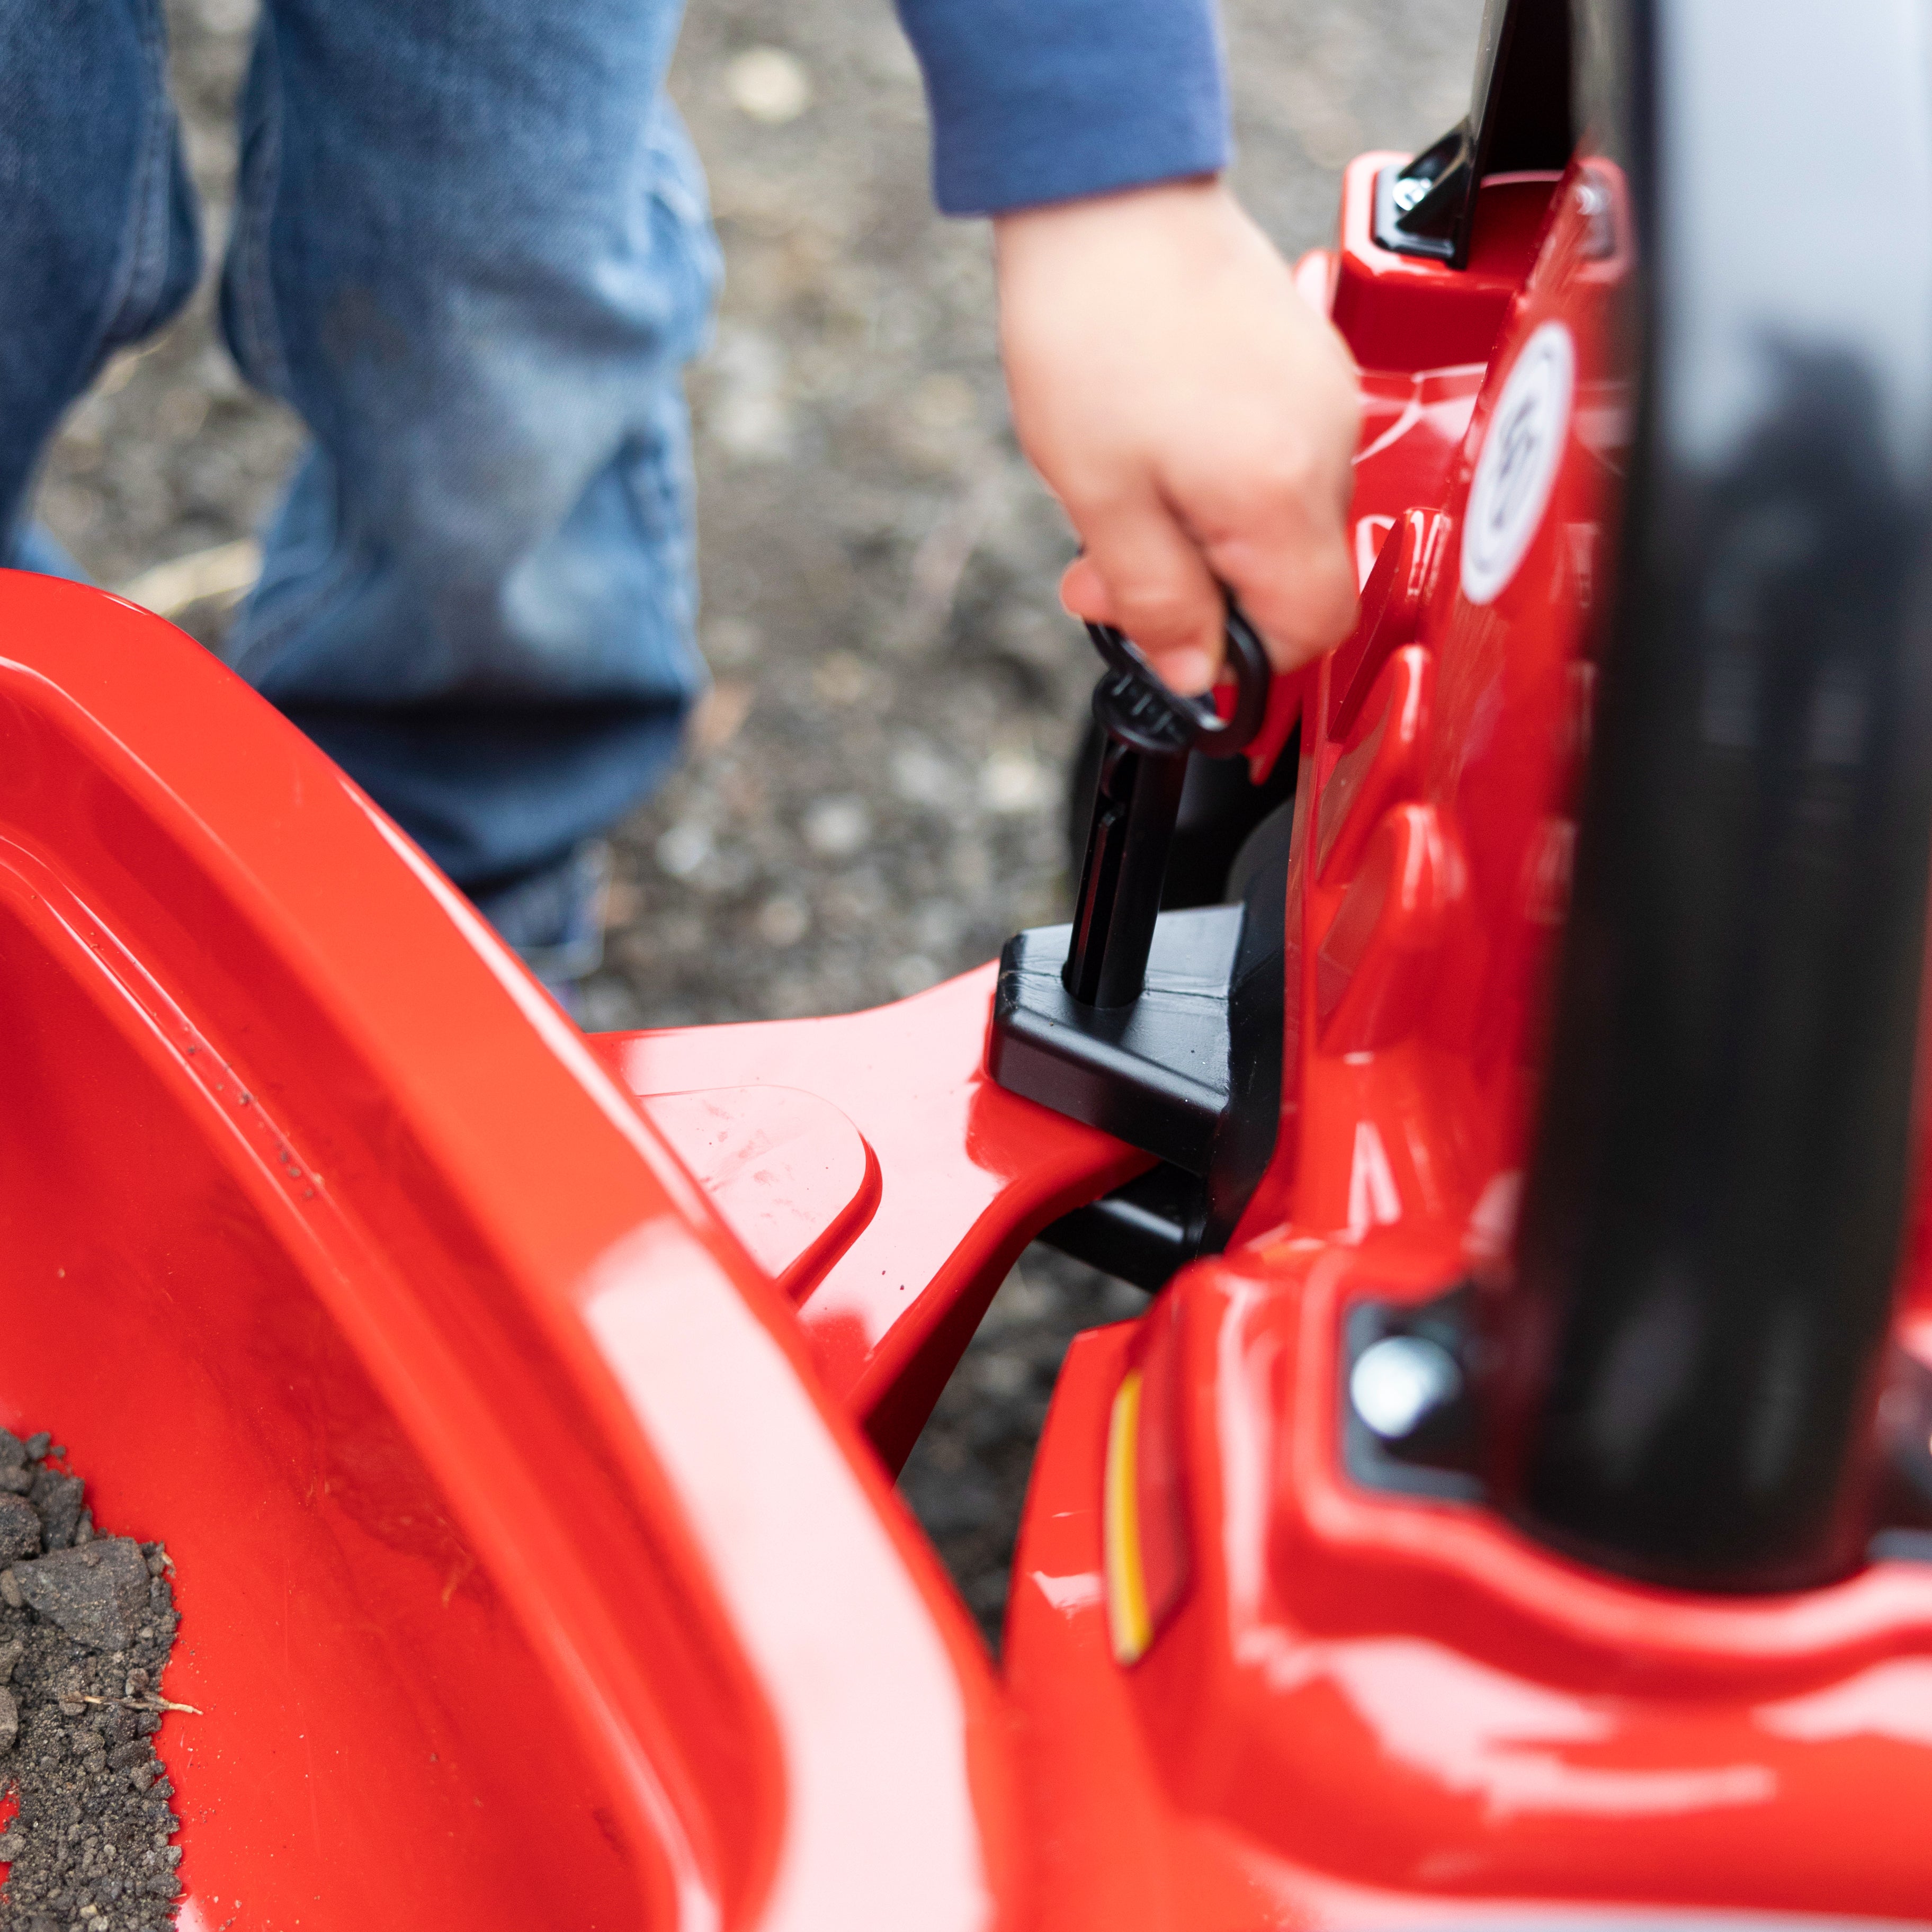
<point>1194,417</point>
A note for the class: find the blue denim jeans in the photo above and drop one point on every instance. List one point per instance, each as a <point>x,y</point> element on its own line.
<point>472,250</point>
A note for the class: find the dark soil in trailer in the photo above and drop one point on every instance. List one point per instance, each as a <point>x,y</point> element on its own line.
<point>873,800</point>
<point>87,1621</point>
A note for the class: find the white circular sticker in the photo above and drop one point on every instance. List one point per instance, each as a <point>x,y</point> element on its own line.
<point>1517,469</point>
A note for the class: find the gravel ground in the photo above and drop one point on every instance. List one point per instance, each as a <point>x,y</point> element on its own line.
<point>873,799</point>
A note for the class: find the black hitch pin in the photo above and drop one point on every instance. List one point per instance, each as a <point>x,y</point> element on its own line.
<point>1150,731</point>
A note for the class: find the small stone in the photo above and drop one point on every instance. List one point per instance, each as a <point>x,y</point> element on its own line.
<point>12,1451</point>
<point>1014,782</point>
<point>10,1721</point>
<point>37,1444</point>
<point>94,1594</point>
<point>784,920</point>
<point>19,1529</point>
<point>838,828</point>
<point>13,1843</point>
<point>83,1530</point>
<point>10,1591</point>
<point>912,973</point>
<point>58,1498</point>
<point>10,1653</point>
<point>683,850</point>
<point>17,1481</point>
<point>769,84</point>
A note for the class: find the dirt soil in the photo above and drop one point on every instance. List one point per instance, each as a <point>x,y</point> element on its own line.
<point>873,800</point>
<point>87,1621</point>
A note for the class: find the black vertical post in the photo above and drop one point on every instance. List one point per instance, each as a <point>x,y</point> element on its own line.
<point>1135,807</point>
<point>1685,1362</point>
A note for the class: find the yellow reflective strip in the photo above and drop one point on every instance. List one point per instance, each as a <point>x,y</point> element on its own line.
<point>1127,1621</point>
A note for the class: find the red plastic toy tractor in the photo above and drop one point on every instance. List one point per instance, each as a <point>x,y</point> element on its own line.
<point>1514,1507</point>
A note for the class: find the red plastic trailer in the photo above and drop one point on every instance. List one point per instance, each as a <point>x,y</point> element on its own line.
<point>1515,1505</point>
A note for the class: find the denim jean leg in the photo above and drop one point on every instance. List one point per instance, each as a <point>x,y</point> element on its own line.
<point>472,250</point>
<point>97,229</point>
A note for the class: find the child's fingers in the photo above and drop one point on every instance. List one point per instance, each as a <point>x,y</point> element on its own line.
<point>1292,574</point>
<point>1288,566</point>
<point>1143,575</point>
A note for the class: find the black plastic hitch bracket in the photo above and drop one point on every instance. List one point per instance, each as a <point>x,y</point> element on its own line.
<point>1154,1073</point>
<point>1163,1029</point>
<point>1143,1232</point>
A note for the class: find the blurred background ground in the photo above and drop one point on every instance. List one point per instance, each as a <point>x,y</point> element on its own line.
<point>874,797</point>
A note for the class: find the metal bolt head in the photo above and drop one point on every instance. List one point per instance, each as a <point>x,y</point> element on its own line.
<point>1409,191</point>
<point>1398,1383</point>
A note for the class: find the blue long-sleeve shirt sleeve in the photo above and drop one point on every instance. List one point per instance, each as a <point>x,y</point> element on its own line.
<point>1041,101</point>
